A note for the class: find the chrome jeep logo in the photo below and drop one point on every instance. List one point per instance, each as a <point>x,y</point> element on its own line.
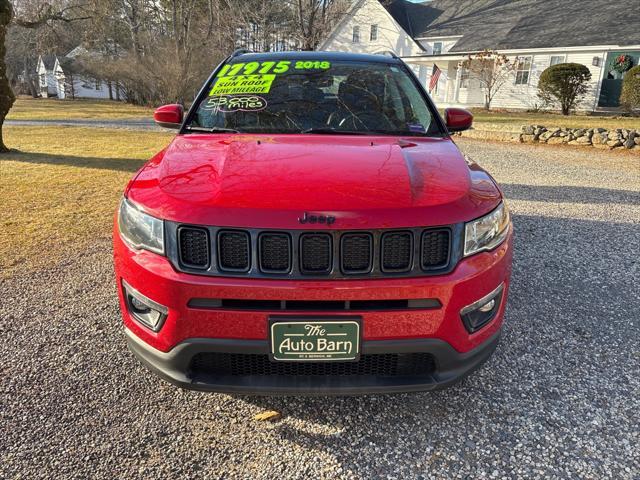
<point>306,218</point>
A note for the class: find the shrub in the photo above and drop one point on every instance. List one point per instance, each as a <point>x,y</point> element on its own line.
<point>564,84</point>
<point>630,95</point>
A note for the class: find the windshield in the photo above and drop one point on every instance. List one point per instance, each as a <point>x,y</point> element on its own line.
<point>314,96</point>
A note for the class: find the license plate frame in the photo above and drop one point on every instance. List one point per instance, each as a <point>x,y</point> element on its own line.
<point>336,329</point>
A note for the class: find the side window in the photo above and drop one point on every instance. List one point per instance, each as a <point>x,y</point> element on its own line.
<point>524,70</point>
<point>464,78</point>
<point>437,48</point>
<point>556,59</point>
<point>356,34</point>
<point>373,36</point>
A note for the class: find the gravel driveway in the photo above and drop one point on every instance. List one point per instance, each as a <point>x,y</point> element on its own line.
<point>559,398</point>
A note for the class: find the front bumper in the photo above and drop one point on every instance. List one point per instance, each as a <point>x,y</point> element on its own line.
<point>188,330</point>
<point>175,367</point>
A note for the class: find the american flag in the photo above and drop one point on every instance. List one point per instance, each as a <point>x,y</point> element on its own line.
<point>435,75</point>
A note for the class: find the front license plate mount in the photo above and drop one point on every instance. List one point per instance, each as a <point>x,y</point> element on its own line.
<point>314,338</point>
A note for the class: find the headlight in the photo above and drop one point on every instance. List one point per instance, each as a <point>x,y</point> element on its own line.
<point>487,232</point>
<point>140,230</point>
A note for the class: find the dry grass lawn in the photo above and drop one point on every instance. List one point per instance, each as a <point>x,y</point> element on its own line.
<point>52,109</point>
<point>512,121</point>
<point>62,187</point>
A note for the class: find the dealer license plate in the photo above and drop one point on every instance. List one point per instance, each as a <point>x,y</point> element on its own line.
<point>314,340</point>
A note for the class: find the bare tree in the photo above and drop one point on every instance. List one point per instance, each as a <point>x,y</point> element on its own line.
<point>315,18</point>
<point>492,69</point>
<point>6,94</point>
<point>45,14</point>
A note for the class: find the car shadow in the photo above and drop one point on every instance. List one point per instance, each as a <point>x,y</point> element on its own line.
<point>571,296</point>
<point>103,163</point>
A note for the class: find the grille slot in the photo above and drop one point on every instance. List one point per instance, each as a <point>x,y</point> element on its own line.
<point>194,247</point>
<point>233,250</point>
<point>435,249</point>
<point>397,249</point>
<point>356,253</point>
<point>314,305</point>
<point>275,252</point>
<point>380,365</point>
<point>315,253</point>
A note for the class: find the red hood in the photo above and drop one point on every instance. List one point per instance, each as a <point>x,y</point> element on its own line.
<point>270,180</point>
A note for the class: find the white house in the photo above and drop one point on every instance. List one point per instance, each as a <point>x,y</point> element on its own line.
<point>46,77</point>
<point>536,33</point>
<point>58,78</point>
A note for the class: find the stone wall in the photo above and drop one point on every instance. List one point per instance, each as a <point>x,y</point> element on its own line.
<point>589,137</point>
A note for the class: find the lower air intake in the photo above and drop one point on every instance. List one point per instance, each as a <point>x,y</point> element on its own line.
<point>248,365</point>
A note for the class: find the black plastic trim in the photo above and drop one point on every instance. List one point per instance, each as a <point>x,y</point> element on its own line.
<point>290,246</point>
<point>346,235</point>
<point>174,366</point>
<point>411,251</point>
<point>248,240</point>
<point>456,248</point>
<point>315,305</point>
<point>300,252</point>
<point>191,265</point>
<point>422,240</point>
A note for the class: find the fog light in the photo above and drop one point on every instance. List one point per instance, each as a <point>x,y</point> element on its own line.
<point>478,314</point>
<point>138,305</point>
<point>149,313</point>
<point>487,307</point>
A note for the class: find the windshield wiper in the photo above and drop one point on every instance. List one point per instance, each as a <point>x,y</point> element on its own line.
<point>401,133</point>
<point>330,130</point>
<point>212,129</point>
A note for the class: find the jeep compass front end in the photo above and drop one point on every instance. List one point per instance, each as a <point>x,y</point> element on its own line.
<point>312,229</point>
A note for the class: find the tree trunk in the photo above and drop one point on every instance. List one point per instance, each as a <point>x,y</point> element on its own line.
<point>6,94</point>
<point>33,88</point>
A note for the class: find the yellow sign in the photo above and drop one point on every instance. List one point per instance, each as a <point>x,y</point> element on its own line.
<point>231,85</point>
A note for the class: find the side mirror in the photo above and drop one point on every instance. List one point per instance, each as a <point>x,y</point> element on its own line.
<point>458,119</point>
<point>169,116</point>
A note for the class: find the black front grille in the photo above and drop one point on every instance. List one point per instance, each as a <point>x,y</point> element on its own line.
<point>303,254</point>
<point>315,253</point>
<point>356,253</point>
<point>435,249</point>
<point>233,250</point>
<point>275,252</point>
<point>194,247</point>
<point>396,251</point>
<point>379,365</point>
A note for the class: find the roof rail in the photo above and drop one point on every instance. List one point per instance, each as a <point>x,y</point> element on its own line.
<point>390,53</point>
<point>240,51</point>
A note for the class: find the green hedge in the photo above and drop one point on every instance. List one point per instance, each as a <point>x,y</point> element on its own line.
<point>630,95</point>
<point>564,84</point>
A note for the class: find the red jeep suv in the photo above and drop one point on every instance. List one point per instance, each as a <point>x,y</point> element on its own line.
<point>312,229</point>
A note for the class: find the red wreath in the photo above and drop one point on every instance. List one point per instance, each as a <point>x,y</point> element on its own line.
<point>622,63</point>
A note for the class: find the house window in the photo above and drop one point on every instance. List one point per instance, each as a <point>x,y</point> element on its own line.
<point>98,85</point>
<point>437,48</point>
<point>524,70</point>
<point>356,34</point>
<point>373,36</point>
<point>556,59</point>
<point>464,78</point>
<point>43,80</point>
